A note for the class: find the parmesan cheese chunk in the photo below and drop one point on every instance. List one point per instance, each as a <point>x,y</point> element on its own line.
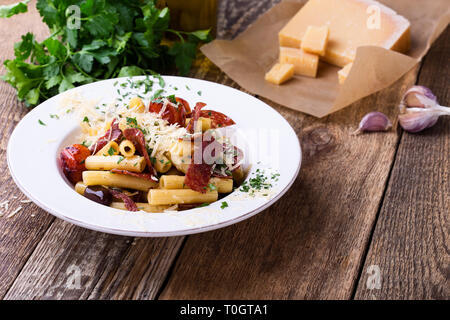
<point>343,73</point>
<point>280,72</point>
<point>315,40</point>
<point>305,63</point>
<point>352,23</point>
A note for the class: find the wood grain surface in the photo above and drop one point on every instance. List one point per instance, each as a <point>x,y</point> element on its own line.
<point>411,243</point>
<point>376,199</point>
<point>21,233</point>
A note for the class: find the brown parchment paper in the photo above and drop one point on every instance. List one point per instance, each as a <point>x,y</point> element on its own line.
<point>250,55</point>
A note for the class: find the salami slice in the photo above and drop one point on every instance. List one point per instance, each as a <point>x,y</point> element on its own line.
<point>137,137</point>
<point>196,114</point>
<point>142,175</point>
<point>113,134</point>
<point>198,174</point>
<point>197,177</point>
<point>218,119</point>
<point>129,204</point>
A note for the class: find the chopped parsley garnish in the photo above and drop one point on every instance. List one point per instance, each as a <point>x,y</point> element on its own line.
<point>258,182</point>
<point>203,205</point>
<point>224,205</point>
<point>171,98</point>
<point>199,93</point>
<point>132,122</point>
<point>157,94</point>
<point>212,187</point>
<point>54,116</point>
<point>86,144</point>
<point>120,159</point>
<point>188,87</point>
<point>41,123</point>
<point>111,151</point>
<point>86,119</point>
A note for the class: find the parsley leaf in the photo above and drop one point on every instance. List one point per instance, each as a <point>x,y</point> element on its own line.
<point>7,11</point>
<point>224,205</point>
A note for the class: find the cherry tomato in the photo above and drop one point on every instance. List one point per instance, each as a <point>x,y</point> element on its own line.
<point>72,161</point>
<point>218,119</point>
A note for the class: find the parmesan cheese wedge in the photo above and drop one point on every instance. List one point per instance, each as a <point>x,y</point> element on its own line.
<point>352,23</point>
<point>280,72</point>
<point>305,63</point>
<point>315,40</point>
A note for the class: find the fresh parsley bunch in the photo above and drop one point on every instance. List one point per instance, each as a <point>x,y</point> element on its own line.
<point>115,38</point>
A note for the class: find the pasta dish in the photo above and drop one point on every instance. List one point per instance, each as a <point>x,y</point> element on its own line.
<point>156,157</point>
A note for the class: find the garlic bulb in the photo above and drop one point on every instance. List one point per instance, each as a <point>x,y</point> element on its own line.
<point>419,109</point>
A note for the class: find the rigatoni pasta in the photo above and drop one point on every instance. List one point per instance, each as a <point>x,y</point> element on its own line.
<point>222,185</point>
<point>110,179</point>
<point>133,164</point>
<point>141,206</point>
<point>179,196</point>
<point>110,149</point>
<point>162,163</point>
<point>127,148</point>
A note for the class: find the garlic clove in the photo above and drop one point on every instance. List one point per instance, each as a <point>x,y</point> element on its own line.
<point>419,109</point>
<point>372,122</point>
<point>418,97</point>
<point>417,121</point>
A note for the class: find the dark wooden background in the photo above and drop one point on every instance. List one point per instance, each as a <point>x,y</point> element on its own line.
<point>379,200</point>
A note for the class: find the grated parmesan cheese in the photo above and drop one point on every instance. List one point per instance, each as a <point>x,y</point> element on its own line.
<point>158,133</point>
<point>14,212</point>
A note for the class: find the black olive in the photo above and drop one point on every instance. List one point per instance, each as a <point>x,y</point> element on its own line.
<point>98,194</point>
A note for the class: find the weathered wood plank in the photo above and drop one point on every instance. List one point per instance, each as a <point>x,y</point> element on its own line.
<point>75,263</point>
<point>21,233</point>
<point>411,241</point>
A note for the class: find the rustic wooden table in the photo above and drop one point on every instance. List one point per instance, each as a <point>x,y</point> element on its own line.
<point>374,200</point>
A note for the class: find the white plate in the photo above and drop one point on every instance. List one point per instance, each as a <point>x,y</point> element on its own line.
<point>33,149</point>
